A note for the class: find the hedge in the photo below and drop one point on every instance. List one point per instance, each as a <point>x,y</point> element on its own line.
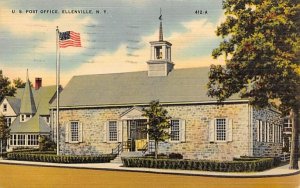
<point>51,158</point>
<point>203,165</point>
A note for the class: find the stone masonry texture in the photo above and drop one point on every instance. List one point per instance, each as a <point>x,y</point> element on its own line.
<point>197,118</point>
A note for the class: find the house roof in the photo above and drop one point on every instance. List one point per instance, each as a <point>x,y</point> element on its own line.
<point>15,103</point>
<point>27,100</point>
<point>42,99</point>
<point>180,86</point>
<point>36,124</point>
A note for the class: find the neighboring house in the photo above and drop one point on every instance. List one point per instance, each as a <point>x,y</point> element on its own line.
<point>27,114</point>
<point>101,112</point>
<point>287,134</point>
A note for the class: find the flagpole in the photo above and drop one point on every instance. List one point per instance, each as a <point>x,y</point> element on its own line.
<point>57,89</point>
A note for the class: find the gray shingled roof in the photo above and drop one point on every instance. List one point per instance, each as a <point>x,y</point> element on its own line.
<point>42,99</point>
<point>35,125</point>
<point>15,103</point>
<point>27,100</point>
<point>180,86</point>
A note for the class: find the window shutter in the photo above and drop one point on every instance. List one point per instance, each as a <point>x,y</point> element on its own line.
<point>273,133</point>
<point>211,130</point>
<point>229,130</point>
<point>67,132</point>
<point>169,130</point>
<point>264,131</point>
<point>80,131</point>
<point>257,130</point>
<point>182,130</point>
<point>105,129</point>
<point>120,131</point>
<point>268,132</point>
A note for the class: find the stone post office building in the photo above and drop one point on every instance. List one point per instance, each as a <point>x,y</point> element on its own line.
<point>100,112</point>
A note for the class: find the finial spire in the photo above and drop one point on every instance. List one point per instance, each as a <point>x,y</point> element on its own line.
<point>161,37</point>
<point>27,77</point>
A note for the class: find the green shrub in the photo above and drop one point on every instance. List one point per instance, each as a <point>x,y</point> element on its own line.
<point>46,144</point>
<point>175,156</point>
<point>259,164</point>
<point>52,158</point>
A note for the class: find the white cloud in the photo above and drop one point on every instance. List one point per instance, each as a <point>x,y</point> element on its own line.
<point>27,26</point>
<point>195,32</point>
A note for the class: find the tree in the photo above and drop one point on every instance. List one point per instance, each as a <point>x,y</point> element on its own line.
<point>4,133</point>
<point>18,83</point>
<point>261,47</point>
<point>158,123</point>
<point>6,89</point>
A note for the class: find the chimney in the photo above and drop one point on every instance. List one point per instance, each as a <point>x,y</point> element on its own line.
<point>38,83</point>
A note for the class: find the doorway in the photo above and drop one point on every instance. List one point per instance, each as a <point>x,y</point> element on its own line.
<point>137,134</point>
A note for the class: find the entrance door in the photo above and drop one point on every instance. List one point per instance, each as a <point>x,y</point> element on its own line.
<point>137,134</point>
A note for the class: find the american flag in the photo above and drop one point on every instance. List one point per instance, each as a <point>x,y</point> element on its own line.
<point>69,38</point>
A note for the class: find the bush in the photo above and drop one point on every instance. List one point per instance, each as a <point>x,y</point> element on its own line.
<point>175,156</point>
<point>204,165</point>
<point>160,155</point>
<point>52,158</point>
<point>45,143</point>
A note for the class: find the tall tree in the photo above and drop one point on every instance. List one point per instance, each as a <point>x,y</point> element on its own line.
<point>4,133</point>
<point>18,83</point>
<point>6,89</point>
<point>261,47</point>
<point>158,123</point>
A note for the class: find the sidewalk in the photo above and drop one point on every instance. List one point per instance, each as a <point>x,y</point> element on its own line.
<point>279,171</point>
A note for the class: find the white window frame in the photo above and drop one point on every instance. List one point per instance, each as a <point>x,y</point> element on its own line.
<point>21,140</point>
<point>171,131</point>
<point>4,107</point>
<point>23,118</point>
<point>287,123</point>
<point>213,133</point>
<point>48,119</point>
<point>32,140</point>
<point>76,131</point>
<point>111,132</point>
<point>224,130</point>
<point>8,121</point>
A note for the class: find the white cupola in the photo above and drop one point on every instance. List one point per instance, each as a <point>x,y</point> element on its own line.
<point>160,63</point>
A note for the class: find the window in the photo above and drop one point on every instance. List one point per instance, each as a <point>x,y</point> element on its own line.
<point>175,136</point>
<point>23,117</point>
<point>112,131</point>
<point>4,107</point>
<point>260,129</point>
<point>13,139</point>
<point>48,119</point>
<point>74,132</point>
<point>8,122</point>
<point>287,123</point>
<point>32,140</point>
<point>220,129</point>
<point>21,139</point>
<point>158,52</point>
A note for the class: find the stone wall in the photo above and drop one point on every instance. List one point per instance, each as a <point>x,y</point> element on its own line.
<point>197,118</point>
<point>197,145</point>
<point>270,148</point>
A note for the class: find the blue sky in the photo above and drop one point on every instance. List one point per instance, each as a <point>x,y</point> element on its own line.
<point>114,41</point>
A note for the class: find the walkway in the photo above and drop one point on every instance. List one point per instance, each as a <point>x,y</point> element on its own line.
<point>279,171</point>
